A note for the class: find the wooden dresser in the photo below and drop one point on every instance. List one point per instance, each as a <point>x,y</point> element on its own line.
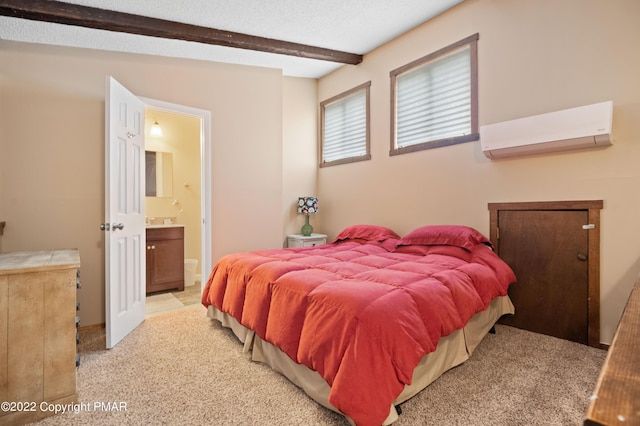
<point>616,399</point>
<point>37,333</point>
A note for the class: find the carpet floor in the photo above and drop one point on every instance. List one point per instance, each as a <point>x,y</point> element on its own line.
<point>181,368</point>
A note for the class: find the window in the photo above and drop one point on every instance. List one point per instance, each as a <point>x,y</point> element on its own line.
<point>345,127</point>
<point>435,99</point>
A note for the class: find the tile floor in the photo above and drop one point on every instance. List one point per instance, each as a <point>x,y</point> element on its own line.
<point>167,301</point>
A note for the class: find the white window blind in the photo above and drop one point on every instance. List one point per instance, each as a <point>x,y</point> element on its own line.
<point>434,100</point>
<point>345,128</point>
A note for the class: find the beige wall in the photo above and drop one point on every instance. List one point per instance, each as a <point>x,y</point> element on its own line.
<point>534,57</point>
<point>300,161</point>
<point>52,149</point>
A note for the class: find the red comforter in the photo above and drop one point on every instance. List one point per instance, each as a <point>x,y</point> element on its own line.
<point>360,315</point>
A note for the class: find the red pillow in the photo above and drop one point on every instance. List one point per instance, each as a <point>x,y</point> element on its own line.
<point>444,250</point>
<point>449,235</point>
<point>366,232</point>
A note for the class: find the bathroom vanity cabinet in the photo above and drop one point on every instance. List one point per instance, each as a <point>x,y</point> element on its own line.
<point>37,333</point>
<point>165,258</point>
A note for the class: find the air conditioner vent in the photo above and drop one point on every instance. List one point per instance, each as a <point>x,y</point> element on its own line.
<point>576,128</point>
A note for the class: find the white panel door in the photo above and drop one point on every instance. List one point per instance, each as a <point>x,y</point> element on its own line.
<point>125,260</point>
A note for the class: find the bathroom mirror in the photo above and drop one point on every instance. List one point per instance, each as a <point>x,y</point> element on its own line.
<point>158,174</point>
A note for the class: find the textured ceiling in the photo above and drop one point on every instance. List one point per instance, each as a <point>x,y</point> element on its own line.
<point>354,26</point>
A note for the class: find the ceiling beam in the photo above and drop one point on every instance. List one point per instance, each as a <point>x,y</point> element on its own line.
<point>101,19</point>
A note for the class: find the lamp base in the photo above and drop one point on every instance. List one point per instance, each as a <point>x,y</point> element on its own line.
<point>307,229</point>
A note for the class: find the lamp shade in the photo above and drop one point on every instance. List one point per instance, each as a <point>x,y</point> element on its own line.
<point>307,205</point>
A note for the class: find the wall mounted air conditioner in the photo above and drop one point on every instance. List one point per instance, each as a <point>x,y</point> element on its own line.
<point>583,127</point>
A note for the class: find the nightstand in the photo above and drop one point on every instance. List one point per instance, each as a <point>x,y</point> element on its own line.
<point>299,240</point>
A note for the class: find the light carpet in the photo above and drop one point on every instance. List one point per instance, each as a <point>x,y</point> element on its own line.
<point>181,368</point>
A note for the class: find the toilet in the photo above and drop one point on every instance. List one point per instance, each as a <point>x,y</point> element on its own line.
<point>190,266</point>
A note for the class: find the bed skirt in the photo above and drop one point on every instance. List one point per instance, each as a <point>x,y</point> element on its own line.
<point>451,351</point>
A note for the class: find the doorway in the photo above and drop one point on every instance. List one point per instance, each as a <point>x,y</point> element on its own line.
<point>186,140</point>
<point>554,250</point>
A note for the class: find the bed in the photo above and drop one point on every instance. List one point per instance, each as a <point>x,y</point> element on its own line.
<point>366,321</point>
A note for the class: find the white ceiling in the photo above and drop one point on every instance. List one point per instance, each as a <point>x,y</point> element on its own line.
<point>354,26</point>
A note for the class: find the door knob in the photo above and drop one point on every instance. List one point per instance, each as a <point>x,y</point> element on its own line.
<point>582,257</point>
<point>117,226</point>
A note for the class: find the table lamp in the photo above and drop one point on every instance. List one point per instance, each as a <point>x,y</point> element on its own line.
<point>307,206</point>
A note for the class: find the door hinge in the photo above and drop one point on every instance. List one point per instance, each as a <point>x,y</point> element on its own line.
<point>589,226</point>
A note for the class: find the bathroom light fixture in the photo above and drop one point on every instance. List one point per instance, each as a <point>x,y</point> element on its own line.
<point>156,130</point>
<point>307,206</point>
